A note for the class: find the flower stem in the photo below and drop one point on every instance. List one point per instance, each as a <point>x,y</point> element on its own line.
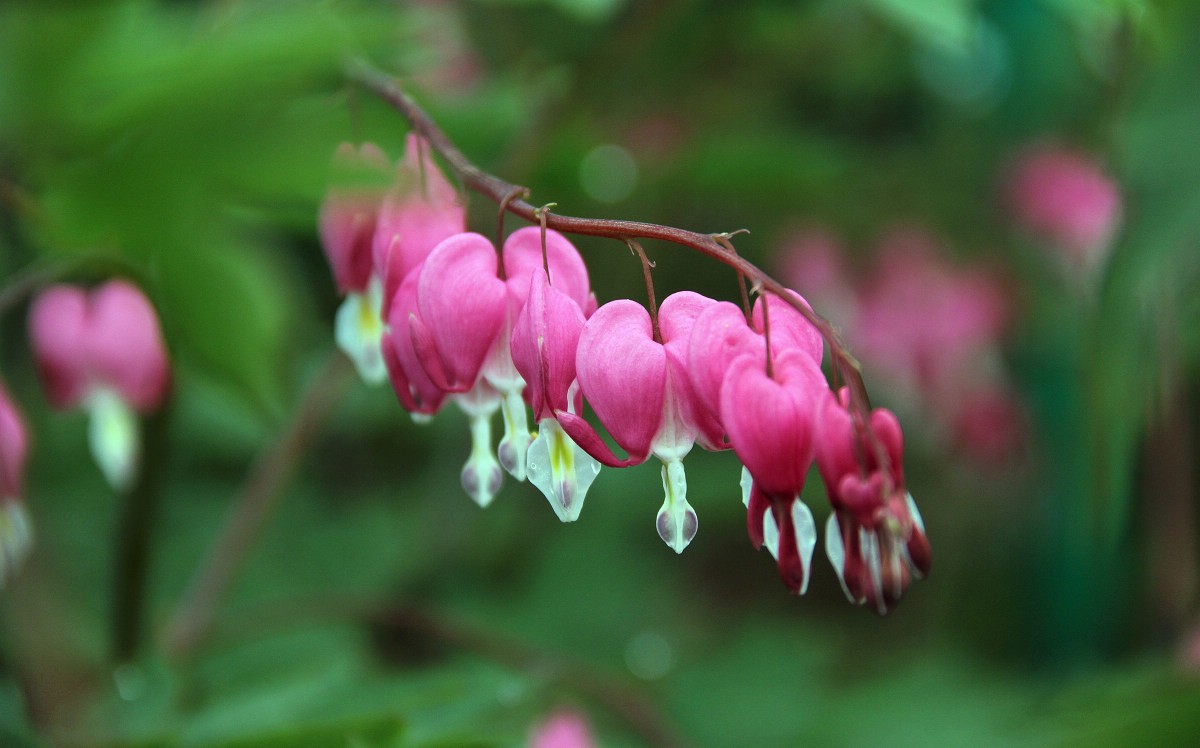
<point>134,531</point>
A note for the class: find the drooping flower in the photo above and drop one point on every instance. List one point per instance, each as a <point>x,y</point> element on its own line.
<point>545,340</point>
<point>875,537</point>
<point>770,420</point>
<point>720,334</point>
<point>347,225</point>
<point>102,351</point>
<point>639,388</point>
<point>420,210</point>
<point>460,308</point>
<point>1064,198</point>
<point>461,332</point>
<point>16,535</point>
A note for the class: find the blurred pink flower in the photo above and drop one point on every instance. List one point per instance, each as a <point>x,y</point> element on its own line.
<point>103,351</point>
<point>15,534</point>
<point>562,729</point>
<point>813,262</point>
<point>14,447</point>
<point>106,340</point>
<point>1064,198</point>
<point>921,320</point>
<point>349,211</point>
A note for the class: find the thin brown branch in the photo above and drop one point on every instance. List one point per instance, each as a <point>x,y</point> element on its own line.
<point>193,617</point>
<point>653,303</point>
<point>712,245</point>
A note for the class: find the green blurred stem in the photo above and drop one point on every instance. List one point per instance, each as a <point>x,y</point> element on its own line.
<point>193,616</point>
<point>134,531</point>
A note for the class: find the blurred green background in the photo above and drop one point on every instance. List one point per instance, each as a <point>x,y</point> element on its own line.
<point>187,144</point>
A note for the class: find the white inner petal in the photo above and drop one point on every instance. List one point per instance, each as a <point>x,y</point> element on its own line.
<point>746,483</point>
<point>676,521</point>
<point>836,552</point>
<point>481,475</point>
<point>771,533</point>
<point>560,469</point>
<point>358,330</point>
<point>113,438</point>
<point>871,557</point>
<point>515,444</point>
<point>806,537</point>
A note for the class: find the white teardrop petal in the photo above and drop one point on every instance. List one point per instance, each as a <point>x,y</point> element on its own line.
<point>806,537</point>
<point>113,438</point>
<point>358,329</point>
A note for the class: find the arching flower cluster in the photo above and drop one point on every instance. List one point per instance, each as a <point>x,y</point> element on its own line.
<point>517,329</point>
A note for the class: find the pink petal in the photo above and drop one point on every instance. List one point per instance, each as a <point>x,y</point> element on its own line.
<point>719,335</point>
<point>676,317</point>
<point>544,344</point>
<point>462,303</point>
<point>14,446</point>
<point>523,254</point>
<point>770,421</point>
<point>58,326</point>
<point>789,329</point>
<point>348,214</point>
<point>124,345</point>
<point>622,372</point>
<point>582,433</point>
<point>413,387</point>
<point>414,218</point>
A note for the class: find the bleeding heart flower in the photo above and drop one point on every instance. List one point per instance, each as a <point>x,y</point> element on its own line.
<point>347,225</point>
<point>720,334</point>
<point>1065,199</point>
<point>769,418</point>
<point>544,344</point>
<point>461,332</point>
<point>103,351</point>
<point>420,210</point>
<point>875,537</point>
<point>640,391</point>
<point>16,535</point>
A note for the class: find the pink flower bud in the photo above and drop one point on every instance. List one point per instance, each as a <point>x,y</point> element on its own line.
<point>544,344</point>
<point>875,537</point>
